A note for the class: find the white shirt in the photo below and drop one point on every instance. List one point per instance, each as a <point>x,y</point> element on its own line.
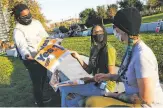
<point>143,65</point>
<point>28,37</point>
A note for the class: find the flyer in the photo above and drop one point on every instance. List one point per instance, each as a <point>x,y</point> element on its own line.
<point>51,54</point>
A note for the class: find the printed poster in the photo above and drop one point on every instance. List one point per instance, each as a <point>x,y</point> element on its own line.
<point>51,54</point>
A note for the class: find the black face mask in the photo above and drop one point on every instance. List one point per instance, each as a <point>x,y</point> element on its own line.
<point>25,20</point>
<point>98,38</point>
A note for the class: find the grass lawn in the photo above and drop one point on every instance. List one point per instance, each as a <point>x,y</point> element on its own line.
<point>15,83</point>
<point>152,18</point>
<point>108,25</point>
<point>16,87</point>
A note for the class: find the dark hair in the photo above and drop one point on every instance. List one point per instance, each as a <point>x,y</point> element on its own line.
<point>18,9</point>
<point>105,34</point>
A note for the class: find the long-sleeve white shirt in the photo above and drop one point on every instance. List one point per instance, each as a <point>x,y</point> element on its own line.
<point>28,37</point>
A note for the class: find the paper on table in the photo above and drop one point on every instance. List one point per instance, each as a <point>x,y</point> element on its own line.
<point>72,69</point>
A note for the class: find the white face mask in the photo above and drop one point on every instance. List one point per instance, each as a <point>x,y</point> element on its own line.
<point>117,35</point>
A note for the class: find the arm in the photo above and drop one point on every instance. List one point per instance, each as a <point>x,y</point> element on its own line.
<point>77,56</point>
<point>145,96</point>
<point>21,43</point>
<point>111,60</point>
<point>111,69</point>
<point>144,71</point>
<point>105,77</point>
<point>146,90</point>
<point>144,74</point>
<point>82,63</point>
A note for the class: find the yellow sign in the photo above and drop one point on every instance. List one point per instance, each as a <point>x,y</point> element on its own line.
<point>45,42</point>
<point>51,54</point>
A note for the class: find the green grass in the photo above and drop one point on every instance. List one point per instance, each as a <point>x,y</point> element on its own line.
<point>82,46</point>
<point>16,87</point>
<point>152,18</point>
<point>108,25</point>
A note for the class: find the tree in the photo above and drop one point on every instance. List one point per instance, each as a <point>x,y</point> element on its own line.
<point>34,8</point>
<point>124,4</point>
<point>131,3</point>
<point>139,5</point>
<point>155,3</point>
<point>112,10</point>
<point>84,15</point>
<point>152,2</point>
<point>92,19</point>
<point>4,3</point>
<point>102,13</point>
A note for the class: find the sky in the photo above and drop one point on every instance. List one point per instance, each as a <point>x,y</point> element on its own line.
<point>56,10</point>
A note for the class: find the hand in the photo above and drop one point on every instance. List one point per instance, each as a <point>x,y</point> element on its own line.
<point>101,77</point>
<point>75,54</point>
<point>29,57</point>
<point>135,99</point>
<point>130,98</point>
<point>87,79</point>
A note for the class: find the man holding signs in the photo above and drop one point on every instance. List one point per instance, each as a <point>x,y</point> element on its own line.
<point>28,33</point>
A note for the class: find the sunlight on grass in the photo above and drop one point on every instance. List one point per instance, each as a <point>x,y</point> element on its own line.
<point>6,69</point>
<point>15,84</point>
<point>153,18</point>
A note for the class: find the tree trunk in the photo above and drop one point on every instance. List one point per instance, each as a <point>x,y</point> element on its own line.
<point>102,21</point>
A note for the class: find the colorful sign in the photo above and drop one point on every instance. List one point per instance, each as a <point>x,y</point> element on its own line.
<point>51,54</point>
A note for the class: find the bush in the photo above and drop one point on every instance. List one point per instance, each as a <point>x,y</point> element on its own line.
<point>154,41</point>
<point>6,69</point>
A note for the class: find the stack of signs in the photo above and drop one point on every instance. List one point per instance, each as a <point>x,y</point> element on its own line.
<point>158,26</point>
<point>50,54</point>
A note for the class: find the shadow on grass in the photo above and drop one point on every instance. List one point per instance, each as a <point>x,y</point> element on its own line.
<point>16,86</point>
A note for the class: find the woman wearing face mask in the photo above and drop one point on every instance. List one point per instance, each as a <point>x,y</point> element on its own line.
<point>138,71</point>
<point>28,33</point>
<point>102,60</point>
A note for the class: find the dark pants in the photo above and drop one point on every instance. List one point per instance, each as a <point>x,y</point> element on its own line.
<point>38,76</point>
